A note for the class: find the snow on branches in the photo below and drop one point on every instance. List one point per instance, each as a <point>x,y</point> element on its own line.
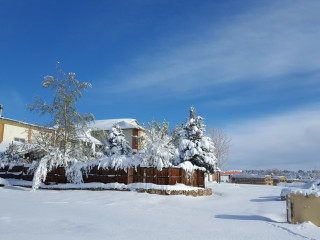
<point>195,146</point>
<point>158,150</point>
<point>116,143</point>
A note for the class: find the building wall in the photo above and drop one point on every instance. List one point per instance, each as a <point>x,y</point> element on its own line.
<point>10,129</point>
<point>268,180</point>
<point>144,135</point>
<point>224,178</point>
<point>1,131</point>
<point>11,132</point>
<point>128,135</point>
<point>131,135</point>
<point>36,133</point>
<point>279,180</point>
<point>135,141</point>
<point>224,175</point>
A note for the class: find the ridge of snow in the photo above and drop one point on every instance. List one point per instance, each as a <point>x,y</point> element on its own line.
<point>189,167</point>
<point>97,185</point>
<point>312,187</point>
<point>25,123</point>
<point>4,182</point>
<point>249,176</point>
<point>107,124</point>
<point>86,137</point>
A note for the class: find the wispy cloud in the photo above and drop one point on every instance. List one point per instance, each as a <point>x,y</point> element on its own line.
<point>269,42</point>
<point>287,141</point>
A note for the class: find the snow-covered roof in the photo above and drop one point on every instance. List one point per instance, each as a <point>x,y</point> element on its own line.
<point>249,176</point>
<point>86,137</point>
<point>312,187</point>
<point>278,177</point>
<point>25,123</point>
<point>107,124</point>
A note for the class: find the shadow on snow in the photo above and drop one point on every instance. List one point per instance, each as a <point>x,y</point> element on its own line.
<point>266,199</point>
<point>246,218</point>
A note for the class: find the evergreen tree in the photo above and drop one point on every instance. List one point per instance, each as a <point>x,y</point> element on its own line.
<point>116,143</point>
<point>158,150</point>
<point>175,134</point>
<point>11,155</point>
<point>194,146</point>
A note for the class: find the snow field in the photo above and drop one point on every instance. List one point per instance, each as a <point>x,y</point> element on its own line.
<point>232,212</point>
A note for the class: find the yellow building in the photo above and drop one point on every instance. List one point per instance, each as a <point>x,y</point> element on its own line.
<point>22,132</point>
<point>279,179</point>
<point>252,179</point>
<point>17,131</point>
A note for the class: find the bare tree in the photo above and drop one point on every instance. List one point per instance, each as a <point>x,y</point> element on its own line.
<point>222,146</point>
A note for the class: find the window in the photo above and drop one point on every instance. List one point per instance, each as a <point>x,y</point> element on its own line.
<point>19,140</point>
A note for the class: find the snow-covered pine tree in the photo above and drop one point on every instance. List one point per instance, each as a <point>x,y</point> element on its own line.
<point>175,134</point>
<point>11,155</point>
<point>116,143</point>
<point>158,150</point>
<point>195,146</point>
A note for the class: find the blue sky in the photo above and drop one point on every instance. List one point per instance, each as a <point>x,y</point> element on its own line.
<point>249,67</point>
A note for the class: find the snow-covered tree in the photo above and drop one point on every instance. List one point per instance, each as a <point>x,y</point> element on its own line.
<point>11,155</point>
<point>63,109</point>
<point>175,134</point>
<point>195,146</point>
<point>12,152</point>
<point>51,160</point>
<point>158,150</point>
<point>222,146</point>
<point>116,143</point>
<point>61,148</point>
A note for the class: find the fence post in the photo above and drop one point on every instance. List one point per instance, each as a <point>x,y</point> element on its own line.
<point>198,178</point>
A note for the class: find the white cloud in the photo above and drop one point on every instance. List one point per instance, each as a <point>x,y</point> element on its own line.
<point>267,42</point>
<point>287,141</point>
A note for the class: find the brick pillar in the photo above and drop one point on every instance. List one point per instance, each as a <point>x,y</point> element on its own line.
<point>1,132</point>
<point>138,142</point>
<point>29,135</point>
<point>135,142</point>
<point>134,139</point>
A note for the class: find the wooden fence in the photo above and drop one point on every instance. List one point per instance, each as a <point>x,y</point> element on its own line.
<point>167,176</point>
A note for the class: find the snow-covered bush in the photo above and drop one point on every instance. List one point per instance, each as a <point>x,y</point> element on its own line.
<point>116,143</point>
<point>11,156</point>
<point>157,150</point>
<point>55,158</point>
<point>194,146</point>
<point>81,151</point>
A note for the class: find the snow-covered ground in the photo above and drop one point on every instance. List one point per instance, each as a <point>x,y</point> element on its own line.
<point>233,212</point>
